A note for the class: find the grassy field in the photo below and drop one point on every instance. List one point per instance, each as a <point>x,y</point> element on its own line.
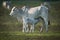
<point>10,28</point>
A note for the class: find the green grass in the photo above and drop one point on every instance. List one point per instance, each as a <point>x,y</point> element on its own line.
<point>28,3</point>
<point>31,34</point>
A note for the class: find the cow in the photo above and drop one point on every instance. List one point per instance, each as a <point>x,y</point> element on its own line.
<point>39,11</point>
<point>7,4</point>
<point>31,15</point>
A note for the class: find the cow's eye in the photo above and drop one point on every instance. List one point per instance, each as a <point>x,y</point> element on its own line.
<point>13,10</point>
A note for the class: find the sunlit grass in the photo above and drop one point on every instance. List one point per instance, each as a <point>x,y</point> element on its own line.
<point>31,34</point>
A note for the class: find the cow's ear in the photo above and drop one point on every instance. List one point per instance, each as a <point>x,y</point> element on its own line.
<point>16,9</point>
<point>13,6</point>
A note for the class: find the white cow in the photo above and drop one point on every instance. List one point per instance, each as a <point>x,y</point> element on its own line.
<point>31,13</point>
<point>39,11</point>
<point>7,4</point>
<point>20,15</point>
<point>28,16</point>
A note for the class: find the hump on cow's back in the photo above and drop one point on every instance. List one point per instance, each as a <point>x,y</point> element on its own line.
<point>28,7</point>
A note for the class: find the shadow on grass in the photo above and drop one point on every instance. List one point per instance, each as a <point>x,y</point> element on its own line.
<point>6,36</point>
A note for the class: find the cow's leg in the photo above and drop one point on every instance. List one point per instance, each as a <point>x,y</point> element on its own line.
<point>46,24</point>
<point>24,25</point>
<point>41,28</point>
<point>27,29</point>
<point>32,28</point>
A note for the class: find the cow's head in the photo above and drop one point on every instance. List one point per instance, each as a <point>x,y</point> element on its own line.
<point>13,11</point>
<point>46,4</point>
<point>25,8</point>
<point>16,12</point>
